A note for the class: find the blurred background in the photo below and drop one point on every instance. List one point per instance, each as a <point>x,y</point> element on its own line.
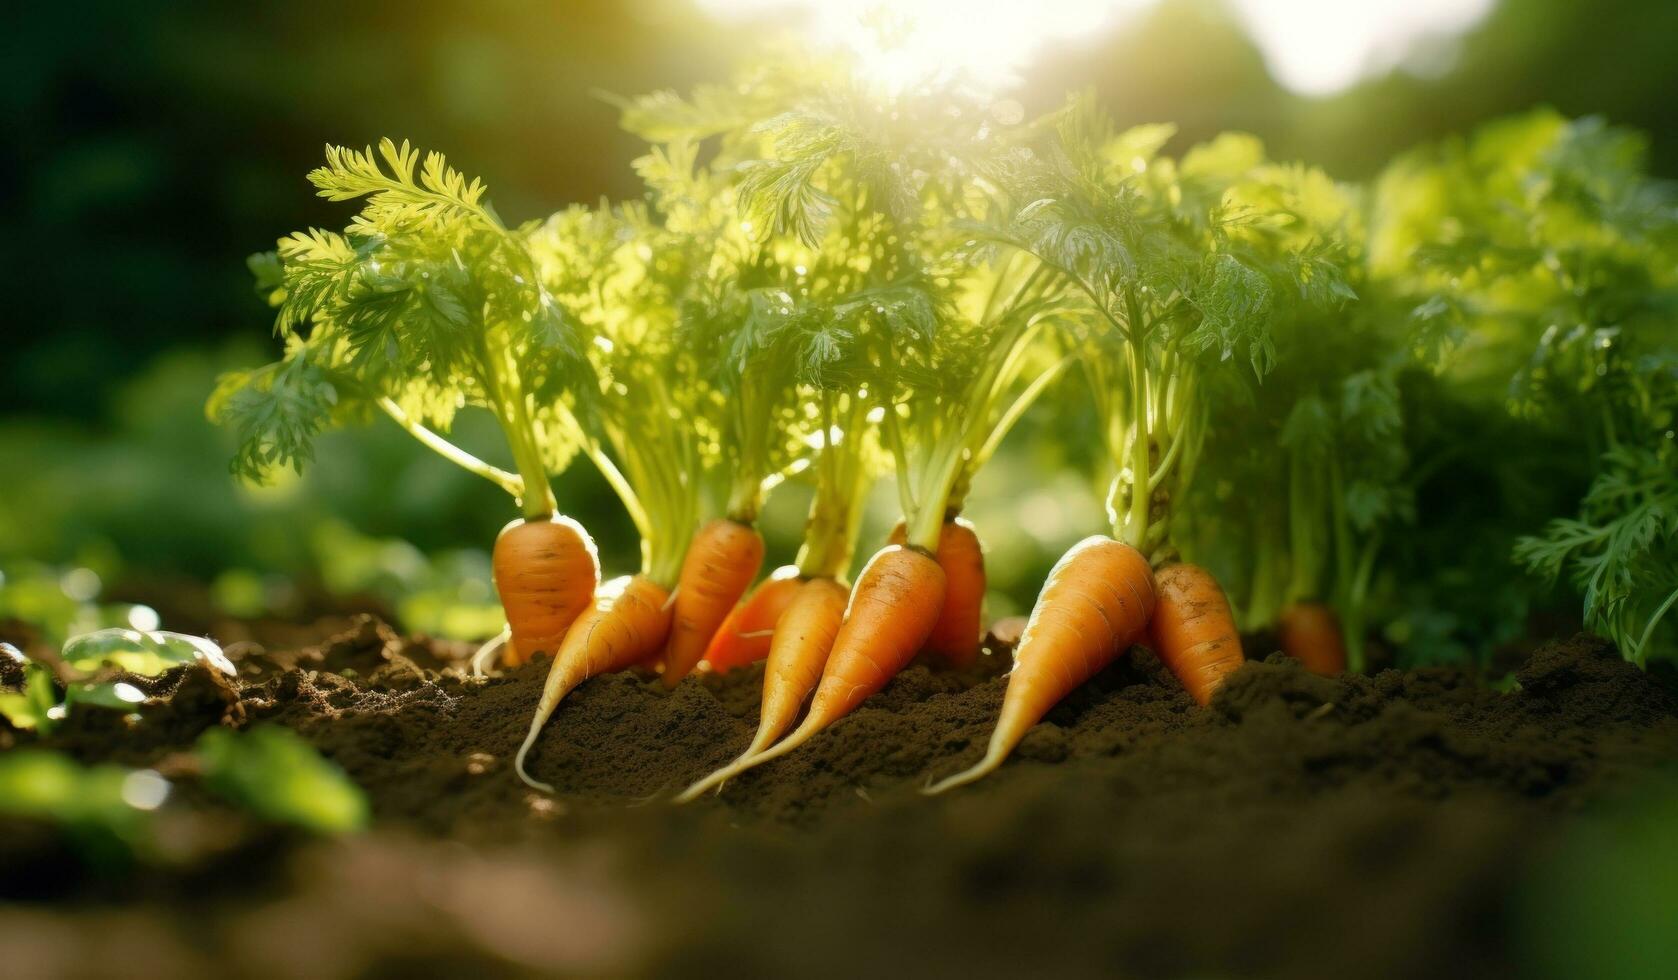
<point>151,146</point>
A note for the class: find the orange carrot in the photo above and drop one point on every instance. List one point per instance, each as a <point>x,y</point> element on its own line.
<point>745,636</point>
<point>628,620</point>
<point>1094,605</point>
<point>546,571</point>
<point>1311,634</point>
<point>721,562</point>
<point>896,601</point>
<point>957,633</point>
<point>803,640</point>
<point>1193,631</point>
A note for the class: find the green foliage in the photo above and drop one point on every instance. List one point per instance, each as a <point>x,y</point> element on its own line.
<point>1539,252</point>
<point>279,777</point>
<point>1285,370</point>
<point>650,418</point>
<point>1304,472</point>
<point>424,304</point>
<point>439,191</point>
<point>1186,267</point>
<point>60,603</point>
<point>1622,551</point>
<point>275,411</point>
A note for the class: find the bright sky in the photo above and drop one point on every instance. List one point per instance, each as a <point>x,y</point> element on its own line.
<point>1313,46</point>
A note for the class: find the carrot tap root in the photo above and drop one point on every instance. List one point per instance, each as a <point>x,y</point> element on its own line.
<point>745,636</point>
<point>626,623</point>
<point>485,655</point>
<point>546,572</point>
<point>957,634</point>
<point>1310,633</point>
<point>751,760</point>
<point>990,763</point>
<point>721,561</point>
<point>1095,603</point>
<point>1193,631</point>
<point>804,641</point>
<point>717,779</point>
<point>892,609</point>
<point>896,600</point>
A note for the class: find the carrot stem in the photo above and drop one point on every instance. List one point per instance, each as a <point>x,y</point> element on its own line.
<point>830,532</point>
<point>507,397</point>
<point>1134,527</point>
<point>510,482</point>
<point>1638,652</point>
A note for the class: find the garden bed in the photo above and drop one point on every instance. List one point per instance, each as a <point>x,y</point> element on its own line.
<point>1381,826</point>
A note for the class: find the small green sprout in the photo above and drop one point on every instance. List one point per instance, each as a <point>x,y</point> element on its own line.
<point>276,775</point>
<point>88,658</point>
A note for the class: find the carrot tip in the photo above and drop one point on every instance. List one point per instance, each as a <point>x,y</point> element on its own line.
<point>524,750</point>
<point>989,764</point>
<point>486,654</point>
<point>716,779</point>
<point>751,760</point>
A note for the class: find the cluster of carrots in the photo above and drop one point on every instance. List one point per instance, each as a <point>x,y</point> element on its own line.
<point>834,647</point>
<point>855,285</point>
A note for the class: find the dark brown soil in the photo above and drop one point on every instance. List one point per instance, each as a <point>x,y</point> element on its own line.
<point>1300,827</point>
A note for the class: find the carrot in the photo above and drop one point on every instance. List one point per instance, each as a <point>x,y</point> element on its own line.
<point>1095,604</point>
<point>546,571</point>
<point>803,640</point>
<point>628,620</point>
<point>892,610</point>
<point>745,636</point>
<point>1193,631</point>
<point>957,633</point>
<point>1311,634</point>
<point>722,560</point>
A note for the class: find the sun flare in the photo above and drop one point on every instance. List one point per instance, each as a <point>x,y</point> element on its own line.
<point>1315,47</point>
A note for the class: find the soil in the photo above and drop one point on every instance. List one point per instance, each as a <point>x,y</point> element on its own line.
<point>1379,826</point>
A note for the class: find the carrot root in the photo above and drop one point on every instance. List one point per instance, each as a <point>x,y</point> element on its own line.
<point>745,636</point>
<point>803,643</point>
<point>717,779</point>
<point>1193,631</point>
<point>892,609</point>
<point>626,623</point>
<point>750,760</point>
<point>957,634</point>
<point>485,656</point>
<point>995,755</point>
<point>1095,603</point>
<point>546,572</point>
<point>1310,633</point>
<point>721,562</point>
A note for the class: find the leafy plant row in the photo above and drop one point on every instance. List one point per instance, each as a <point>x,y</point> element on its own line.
<point>1353,406</point>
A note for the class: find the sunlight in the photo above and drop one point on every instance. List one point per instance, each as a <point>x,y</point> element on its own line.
<point>988,41</point>
<point>1318,47</point>
<point>1315,47</point>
